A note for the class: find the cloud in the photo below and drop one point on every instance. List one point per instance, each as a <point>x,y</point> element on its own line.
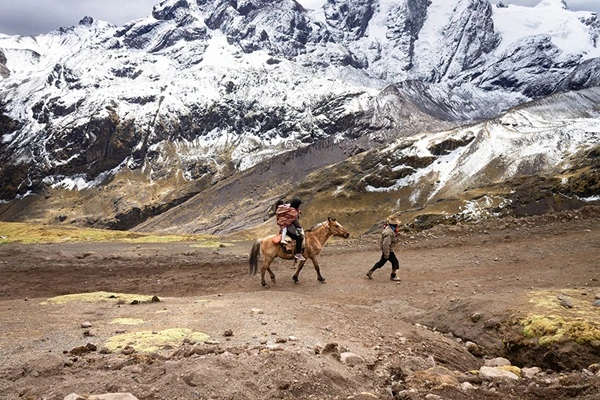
<point>32,17</point>
<point>574,5</point>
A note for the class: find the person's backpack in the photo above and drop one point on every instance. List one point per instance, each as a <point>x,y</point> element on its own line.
<point>285,214</point>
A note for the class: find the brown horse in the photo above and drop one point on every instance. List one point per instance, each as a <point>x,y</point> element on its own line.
<point>315,239</point>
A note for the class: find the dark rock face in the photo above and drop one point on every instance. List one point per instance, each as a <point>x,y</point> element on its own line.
<point>4,72</point>
<point>585,74</point>
<point>357,72</point>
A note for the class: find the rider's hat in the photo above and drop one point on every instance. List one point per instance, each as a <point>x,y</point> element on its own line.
<point>296,202</point>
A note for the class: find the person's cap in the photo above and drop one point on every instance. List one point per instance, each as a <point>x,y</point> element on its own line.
<point>393,221</point>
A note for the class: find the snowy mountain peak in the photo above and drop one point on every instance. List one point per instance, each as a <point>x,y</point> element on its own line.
<point>552,4</point>
<point>201,89</point>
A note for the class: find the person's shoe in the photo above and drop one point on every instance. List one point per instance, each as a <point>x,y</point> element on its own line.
<point>299,257</point>
<point>370,274</point>
<point>395,278</point>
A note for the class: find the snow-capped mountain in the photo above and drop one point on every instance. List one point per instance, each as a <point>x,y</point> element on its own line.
<point>205,89</point>
<point>540,157</point>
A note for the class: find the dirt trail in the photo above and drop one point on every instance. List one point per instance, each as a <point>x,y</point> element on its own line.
<point>349,338</point>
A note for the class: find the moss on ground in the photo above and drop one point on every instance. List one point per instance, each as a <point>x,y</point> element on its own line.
<point>93,297</point>
<point>152,341</point>
<point>552,320</point>
<point>25,233</point>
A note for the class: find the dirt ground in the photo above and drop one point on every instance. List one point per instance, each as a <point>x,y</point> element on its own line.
<point>426,337</point>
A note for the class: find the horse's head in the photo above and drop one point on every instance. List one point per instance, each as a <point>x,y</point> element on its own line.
<point>337,229</point>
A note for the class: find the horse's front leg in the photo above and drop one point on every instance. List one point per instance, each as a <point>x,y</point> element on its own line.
<point>272,275</point>
<point>318,270</point>
<point>298,269</point>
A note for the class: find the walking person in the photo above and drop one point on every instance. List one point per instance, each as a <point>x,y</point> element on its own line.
<point>389,239</point>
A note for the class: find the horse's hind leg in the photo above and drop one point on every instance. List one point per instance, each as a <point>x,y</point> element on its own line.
<point>298,269</point>
<point>266,266</point>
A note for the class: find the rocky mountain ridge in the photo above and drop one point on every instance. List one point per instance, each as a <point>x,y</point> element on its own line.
<point>202,92</point>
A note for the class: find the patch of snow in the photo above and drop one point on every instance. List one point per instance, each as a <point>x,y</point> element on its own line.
<point>591,199</point>
<point>549,18</point>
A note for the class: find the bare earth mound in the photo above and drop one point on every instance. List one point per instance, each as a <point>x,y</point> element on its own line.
<point>174,321</point>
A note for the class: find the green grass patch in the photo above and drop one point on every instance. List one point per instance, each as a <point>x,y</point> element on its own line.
<point>95,297</point>
<point>553,329</point>
<point>127,321</point>
<point>550,322</point>
<point>151,341</point>
<point>25,233</point>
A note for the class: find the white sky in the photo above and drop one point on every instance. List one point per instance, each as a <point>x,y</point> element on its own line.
<point>32,17</point>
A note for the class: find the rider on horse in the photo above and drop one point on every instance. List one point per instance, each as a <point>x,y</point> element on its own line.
<point>288,221</point>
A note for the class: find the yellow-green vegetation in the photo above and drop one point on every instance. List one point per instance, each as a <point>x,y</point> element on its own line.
<point>551,329</point>
<point>25,233</point>
<point>148,342</point>
<point>551,322</point>
<point>511,368</point>
<point>94,297</point>
<point>127,321</point>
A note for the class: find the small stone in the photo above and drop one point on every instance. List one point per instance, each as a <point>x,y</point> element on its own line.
<point>83,349</point>
<point>330,348</point>
<point>113,396</point>
<point>351,359</point>
<point>74,396</point>
<point>495,373</point>
<point>594,367</point>
<point>474,349</point>
<point>497,362</point>
<point>475,317</point>
<point>86,325</point>
<point>565,302</point>
<point>529,373</point>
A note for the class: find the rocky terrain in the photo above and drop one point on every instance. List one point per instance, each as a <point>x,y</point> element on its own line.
<point>501,309</point>
<point>220,103</point>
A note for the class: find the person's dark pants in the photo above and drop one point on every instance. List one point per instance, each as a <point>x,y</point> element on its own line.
<point>298,239</point>
<point>383,260</point>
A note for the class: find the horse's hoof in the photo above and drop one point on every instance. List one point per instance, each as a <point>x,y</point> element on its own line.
<point>295,279</point>
<point>322,281</point>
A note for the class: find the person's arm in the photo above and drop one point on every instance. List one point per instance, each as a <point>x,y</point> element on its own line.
<point>386,245</point>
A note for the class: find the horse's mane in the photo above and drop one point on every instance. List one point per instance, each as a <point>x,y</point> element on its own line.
<point>316,226</point>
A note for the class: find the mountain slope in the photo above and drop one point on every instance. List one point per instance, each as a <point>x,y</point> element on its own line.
<point>205,90</point>
<point>539,157</point>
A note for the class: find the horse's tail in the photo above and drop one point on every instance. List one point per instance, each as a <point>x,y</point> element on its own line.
<point>254,253</point>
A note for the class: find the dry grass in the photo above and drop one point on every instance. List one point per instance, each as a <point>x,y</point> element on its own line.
<point>25,233</point>
<point>550,322</point>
